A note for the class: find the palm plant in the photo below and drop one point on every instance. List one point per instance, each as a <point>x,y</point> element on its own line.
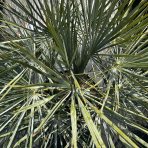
<point>77,77</point>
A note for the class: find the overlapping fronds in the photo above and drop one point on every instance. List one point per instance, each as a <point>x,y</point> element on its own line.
<point>73,73</point>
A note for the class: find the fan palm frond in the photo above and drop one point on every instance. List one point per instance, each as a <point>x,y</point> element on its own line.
<point>73,73</point>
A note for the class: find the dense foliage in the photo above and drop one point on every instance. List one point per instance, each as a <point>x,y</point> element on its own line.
<point>73,73</point>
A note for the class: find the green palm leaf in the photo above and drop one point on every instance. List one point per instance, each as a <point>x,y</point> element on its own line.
<point>73,73</point>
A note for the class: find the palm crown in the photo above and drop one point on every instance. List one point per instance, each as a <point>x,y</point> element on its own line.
<point>73,74</point>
